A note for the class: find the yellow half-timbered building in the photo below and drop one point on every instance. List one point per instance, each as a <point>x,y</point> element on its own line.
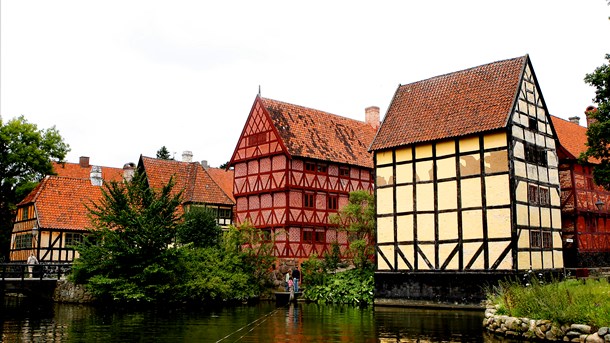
<point>466,183</point>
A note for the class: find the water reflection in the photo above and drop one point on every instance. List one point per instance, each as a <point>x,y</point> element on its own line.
<point>25,321</point>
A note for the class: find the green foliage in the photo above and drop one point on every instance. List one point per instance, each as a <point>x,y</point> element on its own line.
<point>314,271</point>
<point>128,255</point>
<point>164,154</point>
<point>224,165</point>
<point>25,157</point>
<point>358,219</point>
<point>332,258</point>
<point>598,133</point>
<point>200,228</point>
<point>353,287</point>
<point>567,302</point>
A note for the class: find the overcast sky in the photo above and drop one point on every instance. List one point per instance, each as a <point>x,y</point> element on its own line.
<point>123,78</point>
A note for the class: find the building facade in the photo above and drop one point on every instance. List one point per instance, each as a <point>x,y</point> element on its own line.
<point>467,183</point>
<point>294,168</point>
<point>585,206</point>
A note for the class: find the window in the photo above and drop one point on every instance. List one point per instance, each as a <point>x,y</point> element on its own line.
<point>307,235</point>
<point>344,171</point>
<point>535,154</point>
<point>309,200</point>
<point>224,213</point>
<point>24,214</point>
<point>532,194</point>
<point>333,201</point>
<point>535,239</point>
<point>547,240</point>
<point>320,237</point>
<point>310,166</point>
<point>322,169</point>
<point>23,241</point>
<point>257,138</point>
<point>545,198</point>
<point>266,235</point>
<point>72,239</point>
<point>533,124</point>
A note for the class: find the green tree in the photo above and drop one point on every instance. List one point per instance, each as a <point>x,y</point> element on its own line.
<point>200,228</point>
<point>598,133</point>
<point>164,154</point>
<point>128,255</point>
<point>26,153</point>
<point>224,165</point>
<point>358,219</point>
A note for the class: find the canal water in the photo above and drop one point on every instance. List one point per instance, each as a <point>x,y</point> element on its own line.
<point>24,321</point>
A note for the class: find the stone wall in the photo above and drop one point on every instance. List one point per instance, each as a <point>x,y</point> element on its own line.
<point>531,329</point>
<point>68,292</point>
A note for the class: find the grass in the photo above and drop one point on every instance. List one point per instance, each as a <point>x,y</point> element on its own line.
<point>565,302</point>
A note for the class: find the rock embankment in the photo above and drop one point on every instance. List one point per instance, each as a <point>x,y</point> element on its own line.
<point>68,292</point>
<point>532,329</point>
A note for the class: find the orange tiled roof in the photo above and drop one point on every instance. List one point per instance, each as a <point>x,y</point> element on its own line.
<point>190,177</point>
<point>461,103</point>
<point>75,170</point>
<point>224,178</point>
<point>60,202</point>
<point>572,137</point>
<point>316,134</point>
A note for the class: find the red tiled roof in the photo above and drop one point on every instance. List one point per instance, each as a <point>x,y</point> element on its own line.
<point>461,103</point>
<point>224,178</point>
<point>572,137</point>
<point>75,170</point>
<point>60,202</point>
<point>189,177</point>
<point>320,135</point>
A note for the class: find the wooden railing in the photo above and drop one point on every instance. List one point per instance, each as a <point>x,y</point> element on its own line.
<point>42,271</point>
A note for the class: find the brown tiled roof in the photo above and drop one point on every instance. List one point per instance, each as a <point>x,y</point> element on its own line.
<point>190,177</point>
<point>572,137</point>
<point>224,178</point>
<point>461,103</point>
<point>75,170</point>
<point>320,135</point>
<point>60,202</point>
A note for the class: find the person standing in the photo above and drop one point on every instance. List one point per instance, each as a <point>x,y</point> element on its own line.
<point>31,262</point>
<point>287,279</point>
<point>296,275</point>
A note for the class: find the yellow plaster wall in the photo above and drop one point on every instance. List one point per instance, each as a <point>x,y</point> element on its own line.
<point>428,251</point>
<point>471,192</point>
<point>445,168</point>
<point>388,251</point>
<point>384,176</point>
<point>472,224</point>
<point>520,169</point>
<point>403,154</point>
<point>444,250</point>
<point>384,157</point>
<point>521,191</point>
<point>470,165</point>
<point>423,151</point>
<point>447,195</point>
<point>495,250</point>
<point>404,198</point>
<point>558,255</point>
<point>424,171</point>
<point>425,227</point>
<point>445,148</point>
<point>524,260</point>
<point>498,223</point>
<point>522,211</point>
<point>469,250</point>
<point>447,225</point>
<point>405,228</point>
<point>385,201</point>
<point>496,161</point>
<point>404,173</point>
<point>497,190</point>
<point>409,251</point>
<point>425,197</point>
<point>469,144</point>
<point>385,228</point>
<point>494,140</point>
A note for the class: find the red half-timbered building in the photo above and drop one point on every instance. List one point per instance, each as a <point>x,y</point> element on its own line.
<point>584,205</point>
<point>294,168</point>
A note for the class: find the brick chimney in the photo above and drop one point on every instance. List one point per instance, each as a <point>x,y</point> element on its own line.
<point>128,170</point>
<point>187,156</point>
<point>371,116</point>
<point>83,161</point>
<point>575,120</point>
<point>588,111</point>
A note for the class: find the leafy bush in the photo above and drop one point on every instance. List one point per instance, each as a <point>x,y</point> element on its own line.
<point>570,301</point>
<point>353,287</point>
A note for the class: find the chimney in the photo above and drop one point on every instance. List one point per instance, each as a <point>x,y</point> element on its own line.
<point>590,110</point>
<point>128,170</point>
<point>96,175</point>
<point>205,164</point>
<point>575,120</point>
<point>84,161</point>
<point>187,156</point>
<point>371,116</point>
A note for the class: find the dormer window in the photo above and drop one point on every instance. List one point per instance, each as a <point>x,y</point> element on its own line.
<point>533,124</point>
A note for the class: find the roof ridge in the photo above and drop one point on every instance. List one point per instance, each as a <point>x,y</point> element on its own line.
<point>216,183</point>
<point>463,70</point>
<point>313,109</point>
